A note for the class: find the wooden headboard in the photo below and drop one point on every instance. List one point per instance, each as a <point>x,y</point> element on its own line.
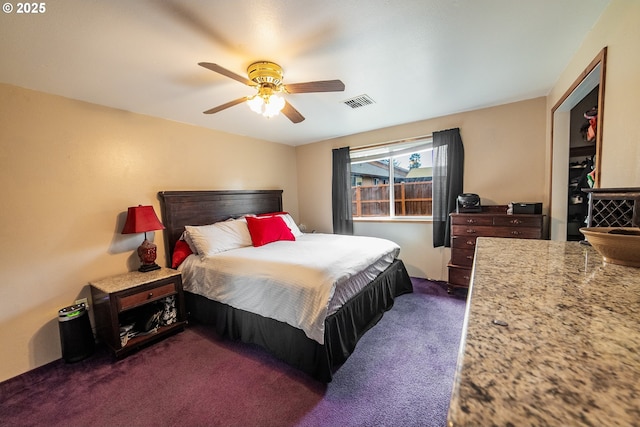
<point>180,208</point>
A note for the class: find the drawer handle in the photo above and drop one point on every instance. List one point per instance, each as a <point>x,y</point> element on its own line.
<point>150,295</point>
<point>469,256</point>
<point>470,242</point>
<point>471,221</point>
<point>516,221</point>
<point>471,231</point>
<point>465,277</point>
<point>515,233</point>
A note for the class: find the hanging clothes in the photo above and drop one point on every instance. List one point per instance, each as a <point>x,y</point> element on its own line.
<point>589,128</point>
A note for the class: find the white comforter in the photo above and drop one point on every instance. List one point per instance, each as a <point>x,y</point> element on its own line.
<point>290,281</point>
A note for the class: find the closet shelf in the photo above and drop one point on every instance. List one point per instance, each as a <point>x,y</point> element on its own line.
<point>587,150</point>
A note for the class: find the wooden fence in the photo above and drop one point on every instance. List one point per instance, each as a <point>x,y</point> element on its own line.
<point>411,199</point>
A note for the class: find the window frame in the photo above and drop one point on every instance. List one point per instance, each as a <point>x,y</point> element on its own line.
<point>389,151</point>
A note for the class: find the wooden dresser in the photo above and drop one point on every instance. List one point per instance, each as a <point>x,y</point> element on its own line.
<point>493,221</point>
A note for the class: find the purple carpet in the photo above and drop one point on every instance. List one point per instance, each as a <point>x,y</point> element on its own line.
<point>401,373</point>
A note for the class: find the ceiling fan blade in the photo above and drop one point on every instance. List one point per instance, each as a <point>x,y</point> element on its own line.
<point>225,106</point>
<point>220,70</point>
<point>319,86</point>
<point>291,113</point>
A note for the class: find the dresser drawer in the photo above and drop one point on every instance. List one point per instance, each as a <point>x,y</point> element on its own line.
<point>463,242</point>
<point>141,297</point>
<point>518,232</point>
<point>518,221</point>
<point>459,276</point>
<point>462,257</point>
<point>472,230</point>
<point>471,220</point>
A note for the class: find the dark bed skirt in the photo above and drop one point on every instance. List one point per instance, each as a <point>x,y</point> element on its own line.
<point>343,328</point>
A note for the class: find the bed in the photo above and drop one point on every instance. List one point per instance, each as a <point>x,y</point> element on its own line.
<point>341,327</point>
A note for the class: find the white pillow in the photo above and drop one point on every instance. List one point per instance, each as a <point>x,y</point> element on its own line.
<point>219,237</point>
<point>291,224</point>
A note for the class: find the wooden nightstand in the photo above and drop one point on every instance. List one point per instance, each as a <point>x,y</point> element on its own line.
<point>127,300</point>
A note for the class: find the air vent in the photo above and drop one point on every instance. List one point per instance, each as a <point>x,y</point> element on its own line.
<point>359,101</point>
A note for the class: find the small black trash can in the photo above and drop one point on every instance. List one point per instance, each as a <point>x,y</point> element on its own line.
<point>76,337</point>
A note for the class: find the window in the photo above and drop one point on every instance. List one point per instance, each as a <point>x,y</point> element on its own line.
<point>407,164</point>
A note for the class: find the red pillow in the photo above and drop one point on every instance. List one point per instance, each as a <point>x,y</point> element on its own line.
<point>180,252</point>
<point>268,229</point>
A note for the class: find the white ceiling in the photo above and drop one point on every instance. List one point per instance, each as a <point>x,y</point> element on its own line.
<point>417,59</point>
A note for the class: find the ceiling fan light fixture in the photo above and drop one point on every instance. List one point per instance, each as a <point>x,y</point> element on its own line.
<point>256,103</point>
<point>266,101</point>
<point>267,78</point>
<point>273,105</point>
<point>265,72</point>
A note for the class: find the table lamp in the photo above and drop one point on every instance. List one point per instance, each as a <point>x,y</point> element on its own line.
<point>141,219</point>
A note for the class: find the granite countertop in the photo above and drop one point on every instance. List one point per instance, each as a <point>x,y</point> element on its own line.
<point>570,354</point>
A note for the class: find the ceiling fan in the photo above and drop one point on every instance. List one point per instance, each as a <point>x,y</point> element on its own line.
<point>267,78</point>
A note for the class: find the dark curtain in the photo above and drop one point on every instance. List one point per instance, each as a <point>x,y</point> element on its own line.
<point>341,192</point>
<point>448,167</point>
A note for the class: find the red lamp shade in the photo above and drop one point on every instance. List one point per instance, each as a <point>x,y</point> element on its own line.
<point>141,219</point>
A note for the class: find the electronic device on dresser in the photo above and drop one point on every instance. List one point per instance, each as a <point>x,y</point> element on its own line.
<point>468,203</point>
<point>490,221</point>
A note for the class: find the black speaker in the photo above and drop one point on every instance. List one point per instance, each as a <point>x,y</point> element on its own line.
<point>76,337</point>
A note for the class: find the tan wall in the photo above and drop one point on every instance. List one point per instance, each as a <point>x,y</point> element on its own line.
<point>504,162</point>
<point>69,170</point>
<point>619,30</point>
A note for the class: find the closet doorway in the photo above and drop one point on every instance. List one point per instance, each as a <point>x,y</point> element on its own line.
<point>570,164</point>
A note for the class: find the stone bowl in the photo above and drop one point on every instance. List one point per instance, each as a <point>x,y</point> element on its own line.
<point>617,245</point>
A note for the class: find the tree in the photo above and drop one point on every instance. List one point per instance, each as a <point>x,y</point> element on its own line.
<point>414,161</point>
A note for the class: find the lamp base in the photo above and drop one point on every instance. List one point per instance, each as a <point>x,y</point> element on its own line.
<point>149,267</point>
<point>147,254</point>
